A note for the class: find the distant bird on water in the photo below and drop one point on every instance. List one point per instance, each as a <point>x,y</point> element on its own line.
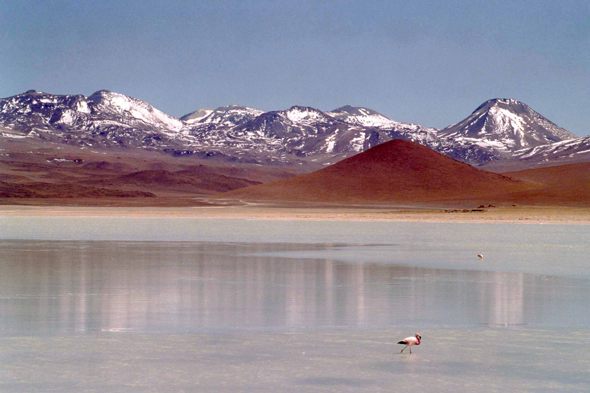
<point>480,256</point>
<point>409,341</point>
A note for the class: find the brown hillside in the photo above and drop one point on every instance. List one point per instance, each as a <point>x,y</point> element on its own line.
<point>49,190</point>
<point>564,184</point>
<point>185,181</point>
<point>395,171</point>
<point>39,170</point>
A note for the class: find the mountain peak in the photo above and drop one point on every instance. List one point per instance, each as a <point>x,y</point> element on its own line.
<point>356,111</point>
<point>236,107</point>
<point>229,116</point>
<point>196,116</point>
<point>301,108</point>
<point>363,117</point>
<point>345,108</point>
<point>102,92</point>
<point>507,103</point>
<point>299,113</point>
<point>32,92</point>
<point>506,125</point>
<point>97,95</point>
<point>107,97</point>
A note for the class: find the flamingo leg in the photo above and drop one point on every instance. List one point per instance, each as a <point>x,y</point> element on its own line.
<point>410,349</point>
<point>404,348</point>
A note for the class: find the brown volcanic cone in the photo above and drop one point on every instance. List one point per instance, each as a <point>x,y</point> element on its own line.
<point>395,171</point>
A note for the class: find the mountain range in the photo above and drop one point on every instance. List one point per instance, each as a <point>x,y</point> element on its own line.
<point>112,149</point>
<point>304,138</point>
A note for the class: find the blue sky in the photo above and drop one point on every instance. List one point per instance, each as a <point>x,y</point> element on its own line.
<point>425,62</point>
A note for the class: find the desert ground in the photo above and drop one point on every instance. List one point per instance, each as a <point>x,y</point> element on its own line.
<point>499,214</point>
<point>399,181</point>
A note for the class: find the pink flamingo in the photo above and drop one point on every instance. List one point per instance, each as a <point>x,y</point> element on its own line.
<point>409,341</point>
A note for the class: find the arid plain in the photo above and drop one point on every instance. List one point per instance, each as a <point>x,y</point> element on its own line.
<point>398,180</point>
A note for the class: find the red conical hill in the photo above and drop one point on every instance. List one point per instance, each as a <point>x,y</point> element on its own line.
<point>395,171</point>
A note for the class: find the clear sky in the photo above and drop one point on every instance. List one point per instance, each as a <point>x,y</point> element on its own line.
<point>425,62</point>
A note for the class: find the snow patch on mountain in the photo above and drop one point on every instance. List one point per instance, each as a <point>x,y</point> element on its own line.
<point>558,150</point>
<point>299,114</point>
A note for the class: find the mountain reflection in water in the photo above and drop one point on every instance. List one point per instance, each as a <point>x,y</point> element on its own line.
<point>49,287</point>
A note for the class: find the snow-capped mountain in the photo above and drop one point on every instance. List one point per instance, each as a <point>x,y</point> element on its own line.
<point>226,116</point>
<point>132,112</point>
<point>235,133</point>
<point>102,119</point>
<point>292,134</point>
<point>297,121</point>
<point>324,136</point>
<point>303,136</point>
<point>430,137</point>
<point>367,118</point>
<point>505,126</point>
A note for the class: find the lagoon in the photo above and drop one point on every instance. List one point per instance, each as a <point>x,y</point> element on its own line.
<point>133,304</point>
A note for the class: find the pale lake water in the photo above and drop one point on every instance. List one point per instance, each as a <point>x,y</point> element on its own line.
<point>221,305</point>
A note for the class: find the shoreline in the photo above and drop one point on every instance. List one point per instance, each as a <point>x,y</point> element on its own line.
<point>502,214</point>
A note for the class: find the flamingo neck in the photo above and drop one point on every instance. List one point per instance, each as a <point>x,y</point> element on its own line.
<point>418,343</point>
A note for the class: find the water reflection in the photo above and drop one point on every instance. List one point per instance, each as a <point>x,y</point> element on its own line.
<point>49,287</point>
